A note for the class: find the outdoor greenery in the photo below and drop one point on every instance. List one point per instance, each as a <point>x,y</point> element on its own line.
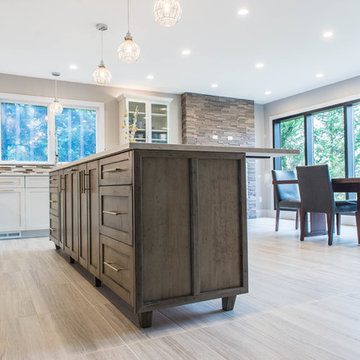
<point>356,121</point>
<point>329,143</point>
<point>292,137</point>
<point>76,134</point>
<point>24,134</point>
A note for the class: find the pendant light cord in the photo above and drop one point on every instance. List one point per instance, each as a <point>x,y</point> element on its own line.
<point>102,47</point>
<point>128,3</point>
<point>55,90</point>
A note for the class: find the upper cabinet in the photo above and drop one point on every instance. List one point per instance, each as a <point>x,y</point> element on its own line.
<point>144,119</point>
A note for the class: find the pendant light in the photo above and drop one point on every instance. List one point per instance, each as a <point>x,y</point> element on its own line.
<point>128,50</point>
<point>167,12</point>
<point>102,75</point>
<point>56,108</point>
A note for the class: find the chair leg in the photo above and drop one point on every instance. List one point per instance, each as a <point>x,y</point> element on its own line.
<point>297,219</point>
<point>357,215</point>
<point>338,224</point>
<point>330,224</point>
<point>277,219</point>
<point>303,218</point>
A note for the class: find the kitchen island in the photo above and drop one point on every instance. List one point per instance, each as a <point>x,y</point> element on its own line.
<point>160,225</point>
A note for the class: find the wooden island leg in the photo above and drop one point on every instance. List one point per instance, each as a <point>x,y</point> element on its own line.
<point>57,247</point>
<point>145,319</point>
<point>97,282</point>
<point>71,260</point>
<point>228,303</point>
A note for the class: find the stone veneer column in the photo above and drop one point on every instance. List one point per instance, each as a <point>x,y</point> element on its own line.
<point>231,120</point>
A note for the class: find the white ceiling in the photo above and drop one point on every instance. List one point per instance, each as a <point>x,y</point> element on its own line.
<point>41,36</point>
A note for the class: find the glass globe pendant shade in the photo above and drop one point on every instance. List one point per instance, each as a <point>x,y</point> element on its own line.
<point>102,76</point>
<point>56,108</point>
<point>167,12</point>
<point>128,50</point>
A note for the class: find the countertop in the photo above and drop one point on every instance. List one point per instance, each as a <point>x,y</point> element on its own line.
<point>251,152</point>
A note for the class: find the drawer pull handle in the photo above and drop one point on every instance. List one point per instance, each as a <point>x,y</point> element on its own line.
<point>114,170</point>
<point>53,201</point>
<point>73,170</point>
<point>115,213</point>
<point>6,190</point>
<point>113,267</point>
<point>51,229</point>
<point>7,182</point>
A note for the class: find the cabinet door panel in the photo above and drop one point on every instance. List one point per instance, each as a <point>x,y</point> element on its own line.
<point>116,170</point>
<point>83,218</point>
<point>11,209</point>
<point>71,212</point>
<point>54,230</point>
<point>37,208</point>
<point>92,186</point>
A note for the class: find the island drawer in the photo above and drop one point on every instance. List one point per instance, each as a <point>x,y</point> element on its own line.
<point>116,170</point>
<point>54,201</point>
<point>116,213</point>
<point>54,180</point>
<point>54,228</point>
<point>117,267</point>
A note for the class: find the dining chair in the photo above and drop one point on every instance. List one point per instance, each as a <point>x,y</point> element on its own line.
<point>287,196</point>
<point>317,196</point>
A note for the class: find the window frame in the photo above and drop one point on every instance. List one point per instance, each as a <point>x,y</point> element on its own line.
<point>66,103</point>
<point>308,118</point>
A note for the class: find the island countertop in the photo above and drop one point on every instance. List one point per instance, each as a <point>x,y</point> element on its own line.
<point>251,152</point>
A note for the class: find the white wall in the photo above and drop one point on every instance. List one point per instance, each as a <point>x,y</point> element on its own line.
<point>86,92</point>
<point>328,95</point>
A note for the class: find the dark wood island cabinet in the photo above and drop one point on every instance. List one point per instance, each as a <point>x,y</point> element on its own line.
<point>159,225</point>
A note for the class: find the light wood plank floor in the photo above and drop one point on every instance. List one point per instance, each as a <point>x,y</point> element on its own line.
<point>304,303</point>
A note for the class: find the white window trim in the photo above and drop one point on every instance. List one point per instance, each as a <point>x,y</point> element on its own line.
<point>66,103</point>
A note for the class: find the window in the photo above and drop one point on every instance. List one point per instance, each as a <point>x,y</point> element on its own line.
<point>24,133</point>
<point>328,140</point>
<point>332,136</point>
<point>356,126</point>
<point>76,134</point>
<point>292,136</point>
<point>27,130</point>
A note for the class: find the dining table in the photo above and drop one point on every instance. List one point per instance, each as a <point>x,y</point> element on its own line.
<point>318,220</point>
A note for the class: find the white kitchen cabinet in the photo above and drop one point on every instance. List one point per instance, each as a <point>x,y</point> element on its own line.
<point>36,208</point>
<point>152,118</point>
<point>12,208</point>
<point>24,204</point>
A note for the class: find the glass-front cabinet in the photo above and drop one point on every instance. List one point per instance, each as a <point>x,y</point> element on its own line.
<point>145,120</point>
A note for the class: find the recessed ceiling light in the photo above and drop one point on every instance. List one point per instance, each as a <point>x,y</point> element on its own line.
<point>259,65</point>
<point>214,86</point>
<point>73,67</point>
<point>328,34</point>
<point>319,75</point>
<point>268,92</point>
<point>186,52</point>
<point>243,12</point>
<point>150,77</point>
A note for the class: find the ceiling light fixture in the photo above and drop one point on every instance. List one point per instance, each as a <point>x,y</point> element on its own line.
<point>150,77</point>
<point>268,92</point>
<point>73,67</point>
<point>55,107</point>
<point>102,75</point>
<point>186,52</point>
<point>128,50</point>
<point>214,86</point>
<point>259,65</point>
<point>167,12</point>
<point>328,34</point>
<point>319,75</point>
<point>243,12</point>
